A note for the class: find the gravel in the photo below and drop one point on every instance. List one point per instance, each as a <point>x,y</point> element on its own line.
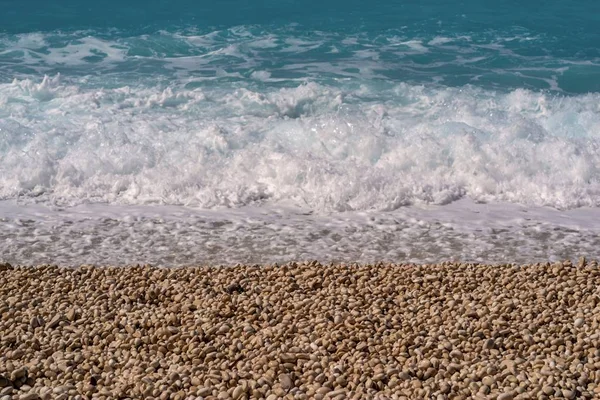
<point>301,331</point>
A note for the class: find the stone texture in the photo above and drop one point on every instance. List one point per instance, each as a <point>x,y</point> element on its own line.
<point>446,331</point>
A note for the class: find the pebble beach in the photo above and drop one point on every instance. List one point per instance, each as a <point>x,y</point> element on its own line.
<point>301,331</point>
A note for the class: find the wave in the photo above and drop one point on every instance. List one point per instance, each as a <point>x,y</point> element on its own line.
<point>502,60</point>
<point>347,146</point>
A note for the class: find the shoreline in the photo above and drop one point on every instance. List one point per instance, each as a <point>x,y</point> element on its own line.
<point>301,330</point>
<point>462,231</point>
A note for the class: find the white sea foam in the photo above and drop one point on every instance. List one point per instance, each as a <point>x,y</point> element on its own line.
<point>322,147</point>
<point>415,45</point>
<point>34,40</point>
<point>440,40</point>
<point>76,52</point>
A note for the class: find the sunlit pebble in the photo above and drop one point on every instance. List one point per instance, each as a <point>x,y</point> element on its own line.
<point>305,331</point>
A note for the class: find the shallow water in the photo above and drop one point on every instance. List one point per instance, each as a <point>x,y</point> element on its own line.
<point>175,235</point>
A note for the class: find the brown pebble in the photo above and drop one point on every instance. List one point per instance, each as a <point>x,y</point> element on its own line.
<point>505,396</point>
<point>18,374</point>
<point>238,392</point>
<point>29,396</point>
<point>205,391</point>
<point>4,382</point>
<point>286,381</point>
<point>55,321</point>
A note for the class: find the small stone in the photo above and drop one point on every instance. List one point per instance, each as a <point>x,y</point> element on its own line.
<point>72,314</point>
<point>20,373</point>
<point>445,388</point>
<point>488,380</point>
<point>569,394</point>
<point>234,288</point>
<point>323,390</point>
<point>578,322</point>
<point>60,389</point>
<point>404,375</point>
<point>55,321</point>
<point>203,392</point>
<point>238,392</point>
<point>378,377</point>
<point>288,358</point>
<point>341,381</point>
<point>4,382</point>
<point>224,329</point>
<point>484,389</point>
<point>223,395</point>
<point>548,390</point>
<point>29,396</point>
<point>453,367</point>
<point>286,381</point>
<point>505,396</point>
<point>342,393</point>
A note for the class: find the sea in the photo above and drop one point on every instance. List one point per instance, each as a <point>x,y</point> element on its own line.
<point>219,132</point>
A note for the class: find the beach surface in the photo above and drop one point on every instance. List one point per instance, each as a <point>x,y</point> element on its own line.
<point>301,331</point>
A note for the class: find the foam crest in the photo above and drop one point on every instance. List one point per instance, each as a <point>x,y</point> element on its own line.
<point>43,91</point>
<point>324,147</point>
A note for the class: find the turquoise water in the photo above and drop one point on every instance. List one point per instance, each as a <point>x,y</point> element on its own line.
<point>504,44</point>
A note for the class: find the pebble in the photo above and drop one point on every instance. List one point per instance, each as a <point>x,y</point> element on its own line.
<point>300,330</point>
<point>238,392</point>
<point>55,321</point>
<point>4,382</point>
<point>18,373</point>
<point>505,396</point>
<point>29,396</point>
<point>206,391</point>
<point>488,380</point>
<point>549,390</point>
<point>286,381</point>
